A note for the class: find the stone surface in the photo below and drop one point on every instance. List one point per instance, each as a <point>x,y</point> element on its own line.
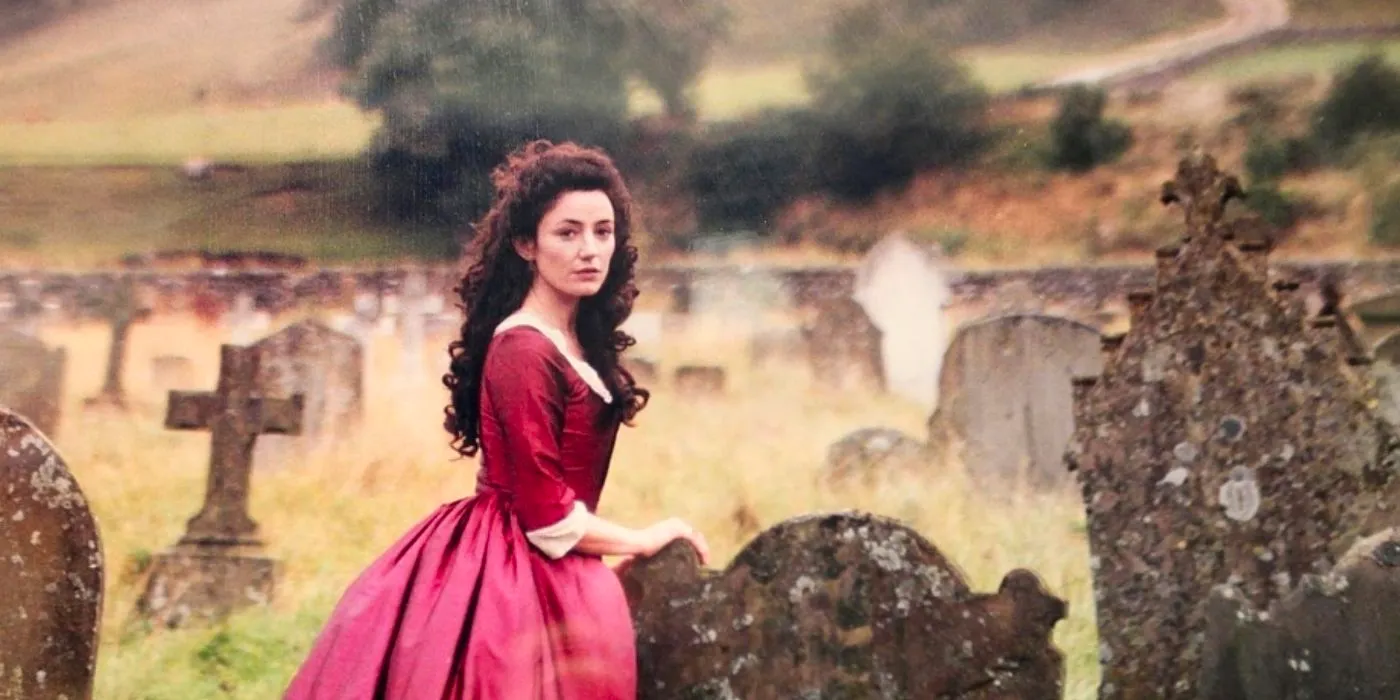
<point>870,452</point>
<point>327,368</point>
<point>51,571</point>
<point>32,379</point>
<point>903,290</point>
<point>843,346</point>
<point>842,605</point>
<point>1227,442</point>
<point>1005,401</point>
<point>1333,637</point>
<point>217,566</point>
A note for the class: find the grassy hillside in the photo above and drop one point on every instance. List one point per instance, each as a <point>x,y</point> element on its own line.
<point>1345,13</point>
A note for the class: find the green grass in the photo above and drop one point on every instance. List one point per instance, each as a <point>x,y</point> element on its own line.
<point>279,134</point>
<point>1321,60</point>
<point>1344,13</point>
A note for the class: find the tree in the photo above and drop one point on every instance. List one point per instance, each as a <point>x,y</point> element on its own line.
<point>1080,136</point>
<point>671,41</point>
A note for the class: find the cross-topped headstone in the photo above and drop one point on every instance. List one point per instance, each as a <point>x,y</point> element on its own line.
<point>122,307</point>
<point>216,567</point>
<point>1227,446</point>
<point>235,416</point>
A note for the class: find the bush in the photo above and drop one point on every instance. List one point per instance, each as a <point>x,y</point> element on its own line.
<point>887,109</point>
<point>1080,136</point>
<point>1364,98</point>
<point>1273,205</point>
<point>741,173</point>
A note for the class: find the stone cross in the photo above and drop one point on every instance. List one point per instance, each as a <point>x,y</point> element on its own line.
<point>236,417</point>
<point>122,307</point>
<point>1227,449</point>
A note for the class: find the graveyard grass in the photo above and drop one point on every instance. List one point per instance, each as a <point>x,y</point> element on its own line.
<point>758,450</point>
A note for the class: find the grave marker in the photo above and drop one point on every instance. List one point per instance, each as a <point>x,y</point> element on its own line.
<point>32,379</point>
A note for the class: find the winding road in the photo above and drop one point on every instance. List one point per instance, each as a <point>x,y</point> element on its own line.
<point>1245,20</point>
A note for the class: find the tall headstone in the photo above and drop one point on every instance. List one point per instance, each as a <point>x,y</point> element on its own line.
<point>122,307</point>
<point>843,347</point>
<point>218,567</point>
<point>1226,450</point>
<point>903,290</point>
<point>50,571</point>
<point>32,379</point>
<point>842,605</point>
<point>413,317</point>
<point>244,322</point>
<point>1005,396</point>
<point>325,366</point>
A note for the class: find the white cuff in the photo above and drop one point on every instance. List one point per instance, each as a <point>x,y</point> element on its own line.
<point>556,540</point>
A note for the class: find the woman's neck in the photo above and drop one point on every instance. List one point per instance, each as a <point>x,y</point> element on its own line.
<point>550,306</point>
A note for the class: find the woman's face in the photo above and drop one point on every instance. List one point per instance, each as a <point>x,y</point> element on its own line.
<point>574,244</point>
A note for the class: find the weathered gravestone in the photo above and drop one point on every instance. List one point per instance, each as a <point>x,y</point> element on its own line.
<point>843,346</point>
<point>1226,444</point>
<point>50,572</point>
<point>412,327</point>
<point>868,453</point>
<point>1005,395</point>
<point>902,289</point>
<point>325,366</point>
<point>1333,637</point>
<point>217,566</point>
<point>842,605</point>
<point>31,379</point>
<point>122,306</point>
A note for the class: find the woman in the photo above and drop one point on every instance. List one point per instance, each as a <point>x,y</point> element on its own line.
<point>505,595</point>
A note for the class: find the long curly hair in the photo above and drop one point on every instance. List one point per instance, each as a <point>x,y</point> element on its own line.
<point>497,279</point>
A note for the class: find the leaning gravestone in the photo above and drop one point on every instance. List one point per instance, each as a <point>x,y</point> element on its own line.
<point>31,379</point>
<point>1005,395</point>
<point>843,346</point>
<point>841,605</point>
<point>325,366</point>
<point>902,289</point>
<point>123,306</point>
<point>1226,449</point>
<point>50,572</point>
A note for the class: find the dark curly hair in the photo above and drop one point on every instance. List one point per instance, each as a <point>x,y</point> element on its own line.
<point>497,279</point>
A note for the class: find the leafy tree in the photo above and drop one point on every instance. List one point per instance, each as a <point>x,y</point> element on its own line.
<point>1365,97</point>
<point>1080,136</point>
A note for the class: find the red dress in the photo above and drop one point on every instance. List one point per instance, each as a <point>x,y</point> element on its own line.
<point>463,606</point>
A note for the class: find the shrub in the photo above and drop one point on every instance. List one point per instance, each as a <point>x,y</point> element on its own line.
<point>1080,136</point>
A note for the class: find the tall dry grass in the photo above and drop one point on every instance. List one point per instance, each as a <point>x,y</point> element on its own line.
<point>758,449</point>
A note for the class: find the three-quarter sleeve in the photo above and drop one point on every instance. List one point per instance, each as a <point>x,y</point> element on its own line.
<point>525,381</point>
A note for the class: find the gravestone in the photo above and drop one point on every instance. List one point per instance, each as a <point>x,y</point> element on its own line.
<point>413,317</point>
<point>32,379</point>
<point>244,322</point>
<point>903,291</point>
<point>50,571</point>
<point>122,306</point>
<point>217,566</point>
<point>843,605</point>
<point>843,347</point>
<point>870,452</point>
<point>777,346</point>
<point>169,372</point>
<point>1227,443</point>
<point>1332,637</point>
<point>1005,398</point>
<point>325,366</point>
<point>699,380</point>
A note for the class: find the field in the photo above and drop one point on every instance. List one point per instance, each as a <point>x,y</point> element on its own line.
<point>326,519</point>
<point>1316,60</point>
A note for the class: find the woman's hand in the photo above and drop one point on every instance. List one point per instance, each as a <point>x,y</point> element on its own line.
<point>663,533</point>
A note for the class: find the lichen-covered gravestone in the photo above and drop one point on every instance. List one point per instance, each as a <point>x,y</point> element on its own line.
<point>50,572</point>
<point>1226,447</point>
<point>868,453</point>
<point>843,346</point>
<point>325,366</point>
<point>842,605</point>
<point>1005,396</point>
<point>31,379</point>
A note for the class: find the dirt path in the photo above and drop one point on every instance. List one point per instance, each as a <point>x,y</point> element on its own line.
<point>1245,19</point>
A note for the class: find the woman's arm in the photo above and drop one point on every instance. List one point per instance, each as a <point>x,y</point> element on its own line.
<point>604,537</point>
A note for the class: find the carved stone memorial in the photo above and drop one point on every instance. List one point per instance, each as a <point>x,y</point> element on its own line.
<point>1227,444</point>
<point>218,567</point>
<point>50,572</point>
<point>842,605</point>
